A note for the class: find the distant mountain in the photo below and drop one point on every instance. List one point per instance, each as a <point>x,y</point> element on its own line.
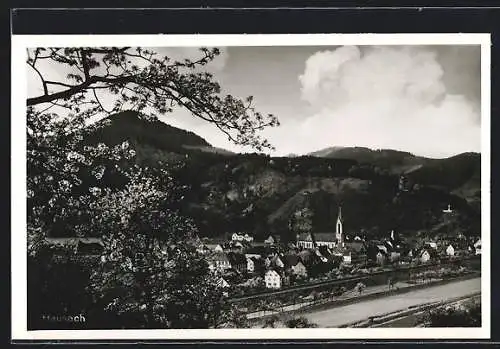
<point>259,194</point>
<point>157,135</point>
<point>393,160</point>
<point>460,173</point>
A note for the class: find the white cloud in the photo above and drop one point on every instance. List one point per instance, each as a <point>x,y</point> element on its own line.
<point>383,97</point>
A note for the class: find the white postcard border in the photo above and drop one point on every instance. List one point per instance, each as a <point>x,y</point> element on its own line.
<point>18,187</point>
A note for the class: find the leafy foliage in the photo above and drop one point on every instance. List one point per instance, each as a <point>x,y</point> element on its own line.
<point>301,221</point>
<point>148,275</point>
<point>56,166</point>
<point>466,316</point>
<point>300,322</point>
<point>143,81</point>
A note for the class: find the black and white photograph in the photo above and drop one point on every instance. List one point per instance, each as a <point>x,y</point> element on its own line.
<point>251,185</point>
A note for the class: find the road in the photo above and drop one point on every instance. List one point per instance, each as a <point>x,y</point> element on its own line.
<point>339,316</point>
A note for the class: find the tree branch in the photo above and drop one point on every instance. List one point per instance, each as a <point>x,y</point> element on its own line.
<point>44,83</point>
<point>78,88</point>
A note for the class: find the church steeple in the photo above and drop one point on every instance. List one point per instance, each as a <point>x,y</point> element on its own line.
<point>339,233</point>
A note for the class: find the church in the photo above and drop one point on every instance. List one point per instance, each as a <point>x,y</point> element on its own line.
<point>314,240</point>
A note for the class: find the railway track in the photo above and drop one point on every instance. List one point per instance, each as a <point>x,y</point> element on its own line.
<point>334,282</point>
<point>409,317</point>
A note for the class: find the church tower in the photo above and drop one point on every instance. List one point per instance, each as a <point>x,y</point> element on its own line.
<point>339,231</point>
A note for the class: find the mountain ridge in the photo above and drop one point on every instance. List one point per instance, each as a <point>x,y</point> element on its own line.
<point>259,193</point>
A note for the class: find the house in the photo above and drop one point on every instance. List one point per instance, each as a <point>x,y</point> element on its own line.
<point>236,237</point>
<point>256,251</point>
<point>325,251</point>
<point>299,269</point>
<point>394,256</point>
<point>347,258</point>
<point>238,261</point>
<point>355,245</point>
<point>218,261</point>
<point>241,237</point>
<point>424,256</point>
<point>382,248</point>
<point>381,257</point>
<point>270,240</point>
<point>477,246</point>
<point>272,279</point>
<point>248,238</point>
<point>450,250</point>
<point>325,239</point>
<point>321,257</point>
<point>250,265</point>
<point>389,245</point>
<point>432,244</point>
<point>338,252</point>
<point>305,240</point>
<point>221,282</point>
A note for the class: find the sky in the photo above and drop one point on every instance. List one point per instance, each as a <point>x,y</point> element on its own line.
<point>420,99</point>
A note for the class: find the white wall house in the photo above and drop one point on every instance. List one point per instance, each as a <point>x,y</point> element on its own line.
<point>381,258</point>
<point>347,258</point>
<point>250,265</point>
<point>272,279</point>
<point>432,244</point>
<point>241,237</point>
<point>394,256</point>
<point>425,256</point>
<point>236,237</point>
<point>270,240</point>
<point>248,238</point>
<point>477,245</point>
<point>450,250</point>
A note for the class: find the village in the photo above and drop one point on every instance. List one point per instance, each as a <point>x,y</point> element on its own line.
<point>245,266</point>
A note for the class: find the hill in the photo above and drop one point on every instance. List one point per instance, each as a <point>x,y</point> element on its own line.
<point>129,125</point>
<point>259,194</point>
<point>460,174</point>
<point>396,161</point>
